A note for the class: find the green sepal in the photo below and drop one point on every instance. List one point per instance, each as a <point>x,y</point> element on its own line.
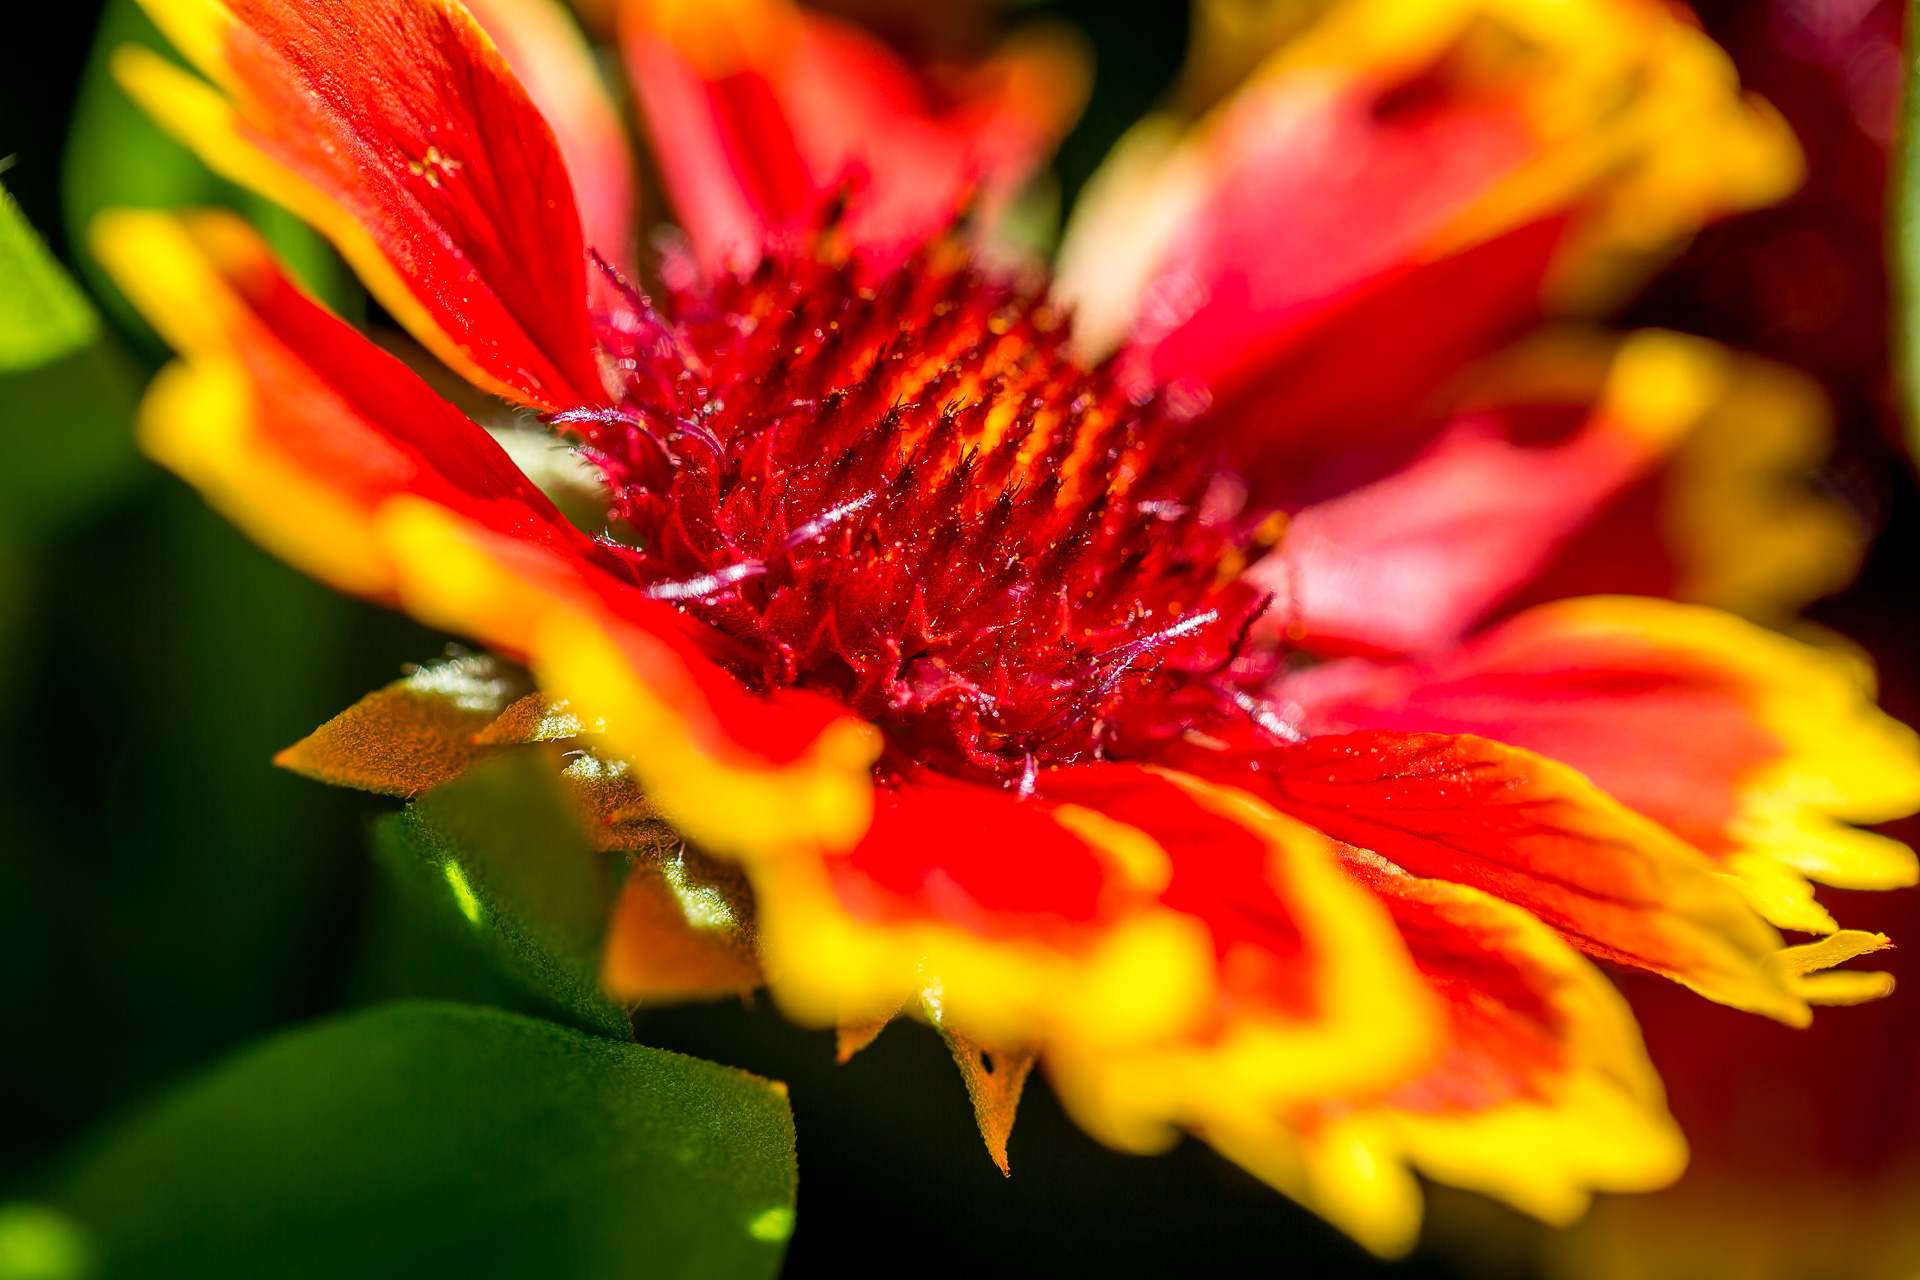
<point>431,1139</point>
<point>506,845</point>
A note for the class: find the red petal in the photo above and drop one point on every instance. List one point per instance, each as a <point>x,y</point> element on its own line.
<point>553,60</point>
<point>396,127</point>
<point>1153,935</point>
<point>1315,196</point>
<point>1543,437</point>
<point>371,427</point>
<point>762,111</point>
<point>1438,156</point>
<point>1411,561</point>
<point>1319,411</point>
<point>1736,518</point>
<point>1219,873</point>
<point>977,857</point>
<point>1541,1096</point>
<point>1535,833</point>
<point>1740,741</point>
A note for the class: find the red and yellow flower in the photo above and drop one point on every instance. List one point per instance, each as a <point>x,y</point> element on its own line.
<point>1190,694</point>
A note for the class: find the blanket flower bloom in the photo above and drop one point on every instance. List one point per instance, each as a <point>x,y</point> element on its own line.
<point>1191,679</point>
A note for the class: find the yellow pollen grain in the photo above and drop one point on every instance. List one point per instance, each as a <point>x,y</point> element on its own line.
<point>432,165</point>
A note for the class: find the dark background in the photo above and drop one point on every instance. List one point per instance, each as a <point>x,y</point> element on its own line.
<point>166,895</point>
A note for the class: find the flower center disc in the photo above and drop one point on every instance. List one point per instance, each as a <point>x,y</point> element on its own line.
<point>908,495</point>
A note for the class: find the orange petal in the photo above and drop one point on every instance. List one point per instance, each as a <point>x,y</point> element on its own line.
<point>995,1079</point>
<point>680,931</point>
<point>850,1038</point>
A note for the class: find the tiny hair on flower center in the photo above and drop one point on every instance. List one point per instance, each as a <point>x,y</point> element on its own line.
<point>905,493</point>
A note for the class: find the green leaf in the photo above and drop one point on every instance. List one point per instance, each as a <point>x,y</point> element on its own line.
<point>66,437</point>
<point>117,156</point>
<point>445,1140</point>
<point>42,314</point>
<point>1905,233</point>
<point>38,1243</point>
<point>506,844</point>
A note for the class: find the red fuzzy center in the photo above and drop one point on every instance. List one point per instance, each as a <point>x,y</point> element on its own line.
<point>907,494</point>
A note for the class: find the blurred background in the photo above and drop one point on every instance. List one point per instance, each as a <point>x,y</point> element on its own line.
<point>166,895</point>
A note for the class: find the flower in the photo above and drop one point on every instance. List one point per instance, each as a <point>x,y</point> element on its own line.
<point>1170,718</point>
<point>1803,1148</point>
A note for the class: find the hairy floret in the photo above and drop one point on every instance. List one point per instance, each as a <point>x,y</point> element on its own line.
<point>906,493</point>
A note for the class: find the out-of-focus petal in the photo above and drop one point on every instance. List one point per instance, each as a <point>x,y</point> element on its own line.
<point>1754,748</point>
<point>762,112</point>
<point>542,44</point>
<point>1736,516</point>
<point>1542,1095</point>
<point>338,458</point>
<point>1413,560</point>
<point>1383,140</point>
<point>396,128</point>
<point>1688,476</point>
<point>1532,831</point>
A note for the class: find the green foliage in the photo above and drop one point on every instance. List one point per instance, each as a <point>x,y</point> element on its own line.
<point>66,392</point>
<point>1904,232</point>
<point>65,437</point>
<point>165,892</point>
<point>431,1139</point>
<point>505,847</point>
<point>42,315</point>
<point>117,156</point>
<point>38,1243</point>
